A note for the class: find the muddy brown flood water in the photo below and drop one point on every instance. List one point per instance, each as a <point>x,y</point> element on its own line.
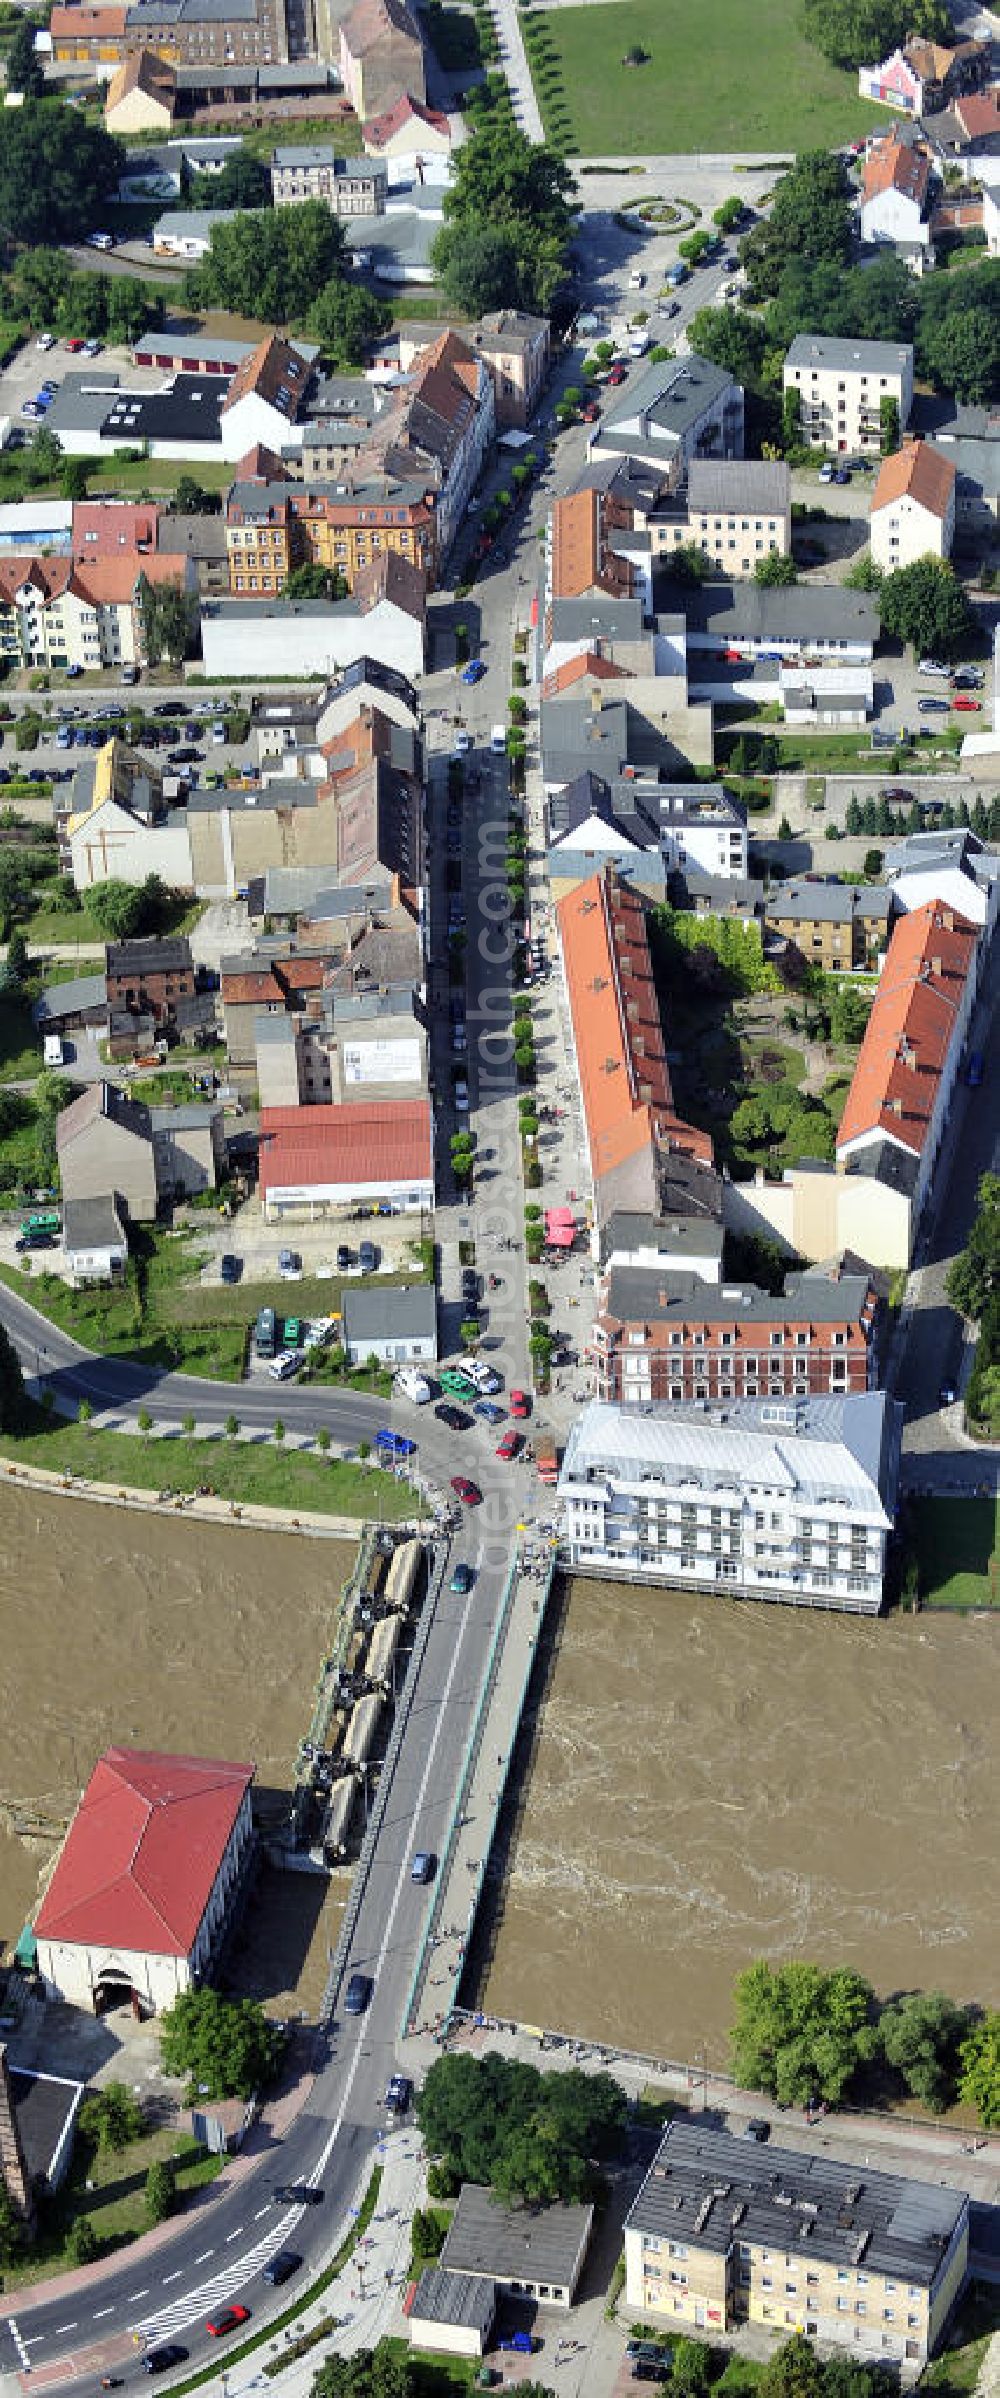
<point>713,1782</point>
<point>159,1633</point>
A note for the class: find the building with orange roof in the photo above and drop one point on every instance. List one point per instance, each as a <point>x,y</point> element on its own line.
<point>408,127</point>
<point>322,1161</point>
<point>913,506</point>
<point>381,55</point>
<point>579,557</point>
<point>630,1120</point>
<point>906,1069</point>
<point>141,96</point>
<point>895,211</point>
<point>59,612</point>
<point>87,37</point>
<point>266,400</point>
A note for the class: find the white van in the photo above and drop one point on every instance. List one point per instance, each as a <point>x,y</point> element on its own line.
<point>498,740</point>
<point>410,1383</point>
<point>52,1049</point>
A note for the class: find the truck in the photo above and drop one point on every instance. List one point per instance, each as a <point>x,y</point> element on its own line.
<point>546,1458</point>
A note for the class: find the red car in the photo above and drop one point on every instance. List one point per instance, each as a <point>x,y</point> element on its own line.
<point>520,1406</point>
<point>973,707</point>
<point>618,374</point>
<point>510,1446</point>
<point>590,413</point>
<point>229,2320</point>
<point>469,1492</point>
<point>75,347</point>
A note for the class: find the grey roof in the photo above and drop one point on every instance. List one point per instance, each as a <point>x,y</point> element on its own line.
<point>404,237</point>
<point>83,401</point>
<point>610,619</point>
<point>659,1295</point>
<point>92,1224</point>
<point>407,1311</point>
<point>796,2202</point>
<point>275,1032</point>
<point>842,1451</point>
<point>283,792</point>
<point>759,486</point>
<point>829,351</point>
<point>152,956</point>
<point>148,14</point>
<point>257,611</point>
<point>806,612</point>
<point>460,2298</point>
<point>190,1118</point>
<point>884,1160</point>
<point>976,463</point>
<point>539,2244</point>
<point>730,890</point>
<point>80,997</point>
<point>290,890</point>
<point>925,853</point>
<point>670,396</point>
<point>647,867</point>
<point>305,154</point>
<point>188,222</point>
<point>827,902</point>
<point>701,1235</point>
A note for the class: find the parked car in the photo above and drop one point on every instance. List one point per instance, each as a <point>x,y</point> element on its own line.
<point>282,1368</point>
<point>230,1268</point>
<point>454,1417</point>
<point>474,671</point>
<point>469,1492</point>
<point>933,666</point>
<point>826,472</point>
<point>510,1446</point>
<point>463,744</point>
<point>758,2128</point>
<point>971,707</point>
<point>343,1258</point>
<point>933,707</point>
<point>367,1256</point>
<point>967,678</point>
<point>520,1405</point>
<point>488,1409</point>
<point>229,2320</point>
<point>46,341</point>
<point>289,1263</point>
<point>281,2267</point>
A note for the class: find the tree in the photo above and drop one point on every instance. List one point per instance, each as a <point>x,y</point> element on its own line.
<point>381,2373</point>
<point>82,2243</point>
<point>41,280</point>
<point>44,448</point>
<point>532,2137</point>
<point>688,563</point>
<point>73,478</point>
<point>810,221</point>
<point>690,2375</point>
<point>727,218</point>
<point>315,582</point>
<point>243,182</point>
<point>24,67</point>
<point>271,264</point>
<point>12,2228</point>
<point>115,908</point>
<point>17,957</point>
<point>130,310</point>
<point>864,575</point>
<point>232,1425</point>
<point>791,412</point>
<point>482,270</point>
<point>926,605</point>
<point>191,498</point>
<point>169,616</point>
<point>225,2045</point>
<point>922,2035</point>
<point>55,169</point>
<point>849,1013</point>
<point>111,2117</point>
<point>794,2371</point>
<point>278,1430</point>
<point>980,2063</point>
<point>732,339</point>
<point>500,178</point>
<point>854,33</point>
<point>975,1274</point>
<point>160,2190</point>
<point>888,422</point>
<point>346,319</point>
<point>775,571</point>
<point>801,2032</point>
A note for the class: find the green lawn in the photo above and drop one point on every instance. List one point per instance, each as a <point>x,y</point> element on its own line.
<point>954,1541</point>
<point>20,1042</point>
<point>250,1473</point>
<point>722,81</point>
<point>110,2191</point>
<point>956,2373</point>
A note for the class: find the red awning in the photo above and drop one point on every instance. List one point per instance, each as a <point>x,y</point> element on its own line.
<point>560,1236</point>
<point>534,609</point>
<point>559,1215</point>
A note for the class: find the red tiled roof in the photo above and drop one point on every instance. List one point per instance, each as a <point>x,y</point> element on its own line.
<point>573,670</point>
<point>110,581</point>
<point>106,528</point>
<point>386,1141</point>
<point>625,1085</point>
<point>918,473</point>
<point>50,576</point>
<point>894,166</point>
<point>87,24</point>
<point>404,111</point>
<point>910,1029</point>
<point>276,372</point>
<point>141,1856</point>
<point>270,986</point>
<point>979,114</point>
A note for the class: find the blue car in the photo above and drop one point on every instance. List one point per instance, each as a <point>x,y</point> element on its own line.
<point>490,1413</point>
<point>396,1443</point>
<point>474,671</point>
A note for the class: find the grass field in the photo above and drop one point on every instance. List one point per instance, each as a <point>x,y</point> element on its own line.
<point>954,1541</point>
<point>249,1473</point>
<point>109,2190</point>
<point>730,79</point>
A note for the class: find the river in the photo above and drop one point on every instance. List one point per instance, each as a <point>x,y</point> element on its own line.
<point>711,1782</point>
<point>160,1633</point>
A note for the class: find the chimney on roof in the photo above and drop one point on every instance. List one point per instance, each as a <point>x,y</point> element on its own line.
<point>937,965</point>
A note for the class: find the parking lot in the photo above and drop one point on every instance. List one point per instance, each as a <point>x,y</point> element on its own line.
<point>30,367</point>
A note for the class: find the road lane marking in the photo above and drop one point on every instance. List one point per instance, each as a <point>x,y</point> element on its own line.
<point>102,2311</point>
<point>20,2345</point>
<point>65,2327</point>
<point>171,2277</point>
<point>136,2295</point>
<point>234,2235</point>
<point>205,2254</point>
<point>262,2210</point>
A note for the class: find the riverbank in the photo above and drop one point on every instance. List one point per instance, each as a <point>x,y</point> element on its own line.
<point>253,1480</point>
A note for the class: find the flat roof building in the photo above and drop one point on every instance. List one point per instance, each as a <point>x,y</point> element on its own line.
<point>725,2232</point>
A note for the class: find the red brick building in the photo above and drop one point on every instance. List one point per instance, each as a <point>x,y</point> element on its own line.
<point>671,1336</point>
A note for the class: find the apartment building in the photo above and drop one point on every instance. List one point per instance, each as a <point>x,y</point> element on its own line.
<point>902,1084</point>
<point>383,618</point>
<point>516,349</point>
<point>347,186</point>
<point>87,37</point>
<point>784,1499</point>
<point>913,507</point>
<point>670,1337</point>
<point>841,386</point>
<point>150,978</point>
<point>208,33</point>
<point>842,927</point>
<point>739,511</point>
<point>724,2232</point>
<point>381,56</point>
<point>441,423</point>
<point>895,208</point>
<point>679,409</point>
<point>344,526</point>
<point>61,612</point>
